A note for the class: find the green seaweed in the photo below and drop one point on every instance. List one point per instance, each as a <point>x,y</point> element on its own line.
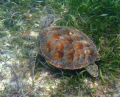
<point>99,19</point>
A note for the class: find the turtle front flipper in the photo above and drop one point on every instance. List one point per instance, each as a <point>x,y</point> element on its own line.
<point>92,69</point>
<point>32,59</point>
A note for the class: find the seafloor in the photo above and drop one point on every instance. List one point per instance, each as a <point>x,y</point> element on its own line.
<point>15,71</point>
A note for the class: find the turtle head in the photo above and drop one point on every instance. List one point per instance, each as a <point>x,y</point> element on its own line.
<point>30,36</point>
<point>45,22</point>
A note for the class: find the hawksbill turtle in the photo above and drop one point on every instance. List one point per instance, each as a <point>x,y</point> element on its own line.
<point>65,47</point>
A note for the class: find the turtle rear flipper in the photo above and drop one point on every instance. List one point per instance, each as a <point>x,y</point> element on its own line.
<point>92,69</point>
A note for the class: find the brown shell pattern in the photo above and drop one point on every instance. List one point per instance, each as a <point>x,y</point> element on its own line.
<point>66,48</point>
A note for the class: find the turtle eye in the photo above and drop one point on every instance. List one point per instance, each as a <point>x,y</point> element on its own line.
<point>28,37</point>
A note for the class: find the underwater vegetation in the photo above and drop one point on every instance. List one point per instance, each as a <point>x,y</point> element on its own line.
<point>99,19</point>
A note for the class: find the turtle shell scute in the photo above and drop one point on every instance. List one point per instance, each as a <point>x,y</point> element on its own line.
<point>66,47</point>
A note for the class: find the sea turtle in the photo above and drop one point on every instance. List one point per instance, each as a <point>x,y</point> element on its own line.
<point>66,48</point>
